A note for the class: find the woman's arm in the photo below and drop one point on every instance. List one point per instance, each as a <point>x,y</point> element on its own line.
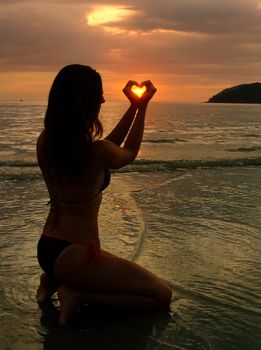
<point>109,154</point>
<point>134,138</point>
<point>118,134</point>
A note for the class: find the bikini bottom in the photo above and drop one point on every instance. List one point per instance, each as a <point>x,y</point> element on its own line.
<point>49,248</point>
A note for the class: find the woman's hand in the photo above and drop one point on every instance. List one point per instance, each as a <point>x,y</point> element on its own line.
<point>149,93</point>
<point>135,99</point>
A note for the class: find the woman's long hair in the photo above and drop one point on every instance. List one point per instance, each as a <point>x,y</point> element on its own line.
<point>71,120</point>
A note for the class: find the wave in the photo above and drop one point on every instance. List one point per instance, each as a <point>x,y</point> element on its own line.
<point>213,300</point>
<point>18,163</point>
<point>172,165</point>
<point>164,140</point>
<point>158,141</point>
<point>253,135</point>
<point>24,170</point>
<point>244,149</point>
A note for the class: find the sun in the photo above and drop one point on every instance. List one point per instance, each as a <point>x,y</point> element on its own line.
<point>139,91</point>
<point>104,14</point>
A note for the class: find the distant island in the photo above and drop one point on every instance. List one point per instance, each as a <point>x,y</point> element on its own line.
<point>244,93</point>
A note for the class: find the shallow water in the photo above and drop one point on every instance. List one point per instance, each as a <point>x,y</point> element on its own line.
<point>186,215</point>
<point>187,227</point>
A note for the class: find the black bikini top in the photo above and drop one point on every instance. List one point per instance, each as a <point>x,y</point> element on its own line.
<point>106,181</point>
<point>57,204</point>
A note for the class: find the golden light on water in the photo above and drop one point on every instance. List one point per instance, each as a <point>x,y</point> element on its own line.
<point>139,91</point>
<point>104,14</point>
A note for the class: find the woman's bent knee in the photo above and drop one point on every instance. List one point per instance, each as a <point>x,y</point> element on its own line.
<point>164,296</point>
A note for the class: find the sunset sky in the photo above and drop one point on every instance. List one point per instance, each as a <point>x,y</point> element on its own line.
<point>190,49</point>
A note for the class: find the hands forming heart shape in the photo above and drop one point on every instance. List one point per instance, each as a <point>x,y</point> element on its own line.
<point>139,94</point>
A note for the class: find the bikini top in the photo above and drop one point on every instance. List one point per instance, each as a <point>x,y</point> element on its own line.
<point>58,204</point>
<point>106,180</point>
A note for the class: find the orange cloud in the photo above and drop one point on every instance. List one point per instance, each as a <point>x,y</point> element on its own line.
<point>187,56</point>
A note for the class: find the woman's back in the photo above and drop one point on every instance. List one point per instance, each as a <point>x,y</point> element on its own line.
<point>74,200</point>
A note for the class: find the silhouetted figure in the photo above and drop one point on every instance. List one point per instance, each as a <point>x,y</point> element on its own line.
<point>75,163</point>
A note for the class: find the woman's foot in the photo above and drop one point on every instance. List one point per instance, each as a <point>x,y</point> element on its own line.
<point>46,288</point>
<point>69,302</point>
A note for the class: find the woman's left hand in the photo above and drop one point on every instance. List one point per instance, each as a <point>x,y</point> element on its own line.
<point>148,93</point>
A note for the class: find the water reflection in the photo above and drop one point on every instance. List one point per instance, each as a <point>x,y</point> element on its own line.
<point>100,329</point>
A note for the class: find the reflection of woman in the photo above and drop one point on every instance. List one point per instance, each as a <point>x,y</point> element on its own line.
<point>75,164</point>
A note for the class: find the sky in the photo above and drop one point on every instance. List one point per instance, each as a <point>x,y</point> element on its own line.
<point>190,49</point>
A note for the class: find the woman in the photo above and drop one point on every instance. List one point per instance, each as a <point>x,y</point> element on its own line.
<point>75,164</point>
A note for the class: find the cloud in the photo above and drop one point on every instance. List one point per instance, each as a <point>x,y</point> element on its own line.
<point>196,40</point>
<point>40,37</point>
<point>200,16</point>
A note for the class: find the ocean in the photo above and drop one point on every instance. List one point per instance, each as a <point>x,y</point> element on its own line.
<point>188,209</point>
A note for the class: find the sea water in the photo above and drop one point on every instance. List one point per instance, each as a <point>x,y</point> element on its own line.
<point>188,209</point>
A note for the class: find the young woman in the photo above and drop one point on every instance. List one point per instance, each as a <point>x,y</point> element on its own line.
<point>75,165</point>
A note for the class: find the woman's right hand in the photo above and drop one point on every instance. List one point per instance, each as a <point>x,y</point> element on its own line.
<point>133,98</point>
